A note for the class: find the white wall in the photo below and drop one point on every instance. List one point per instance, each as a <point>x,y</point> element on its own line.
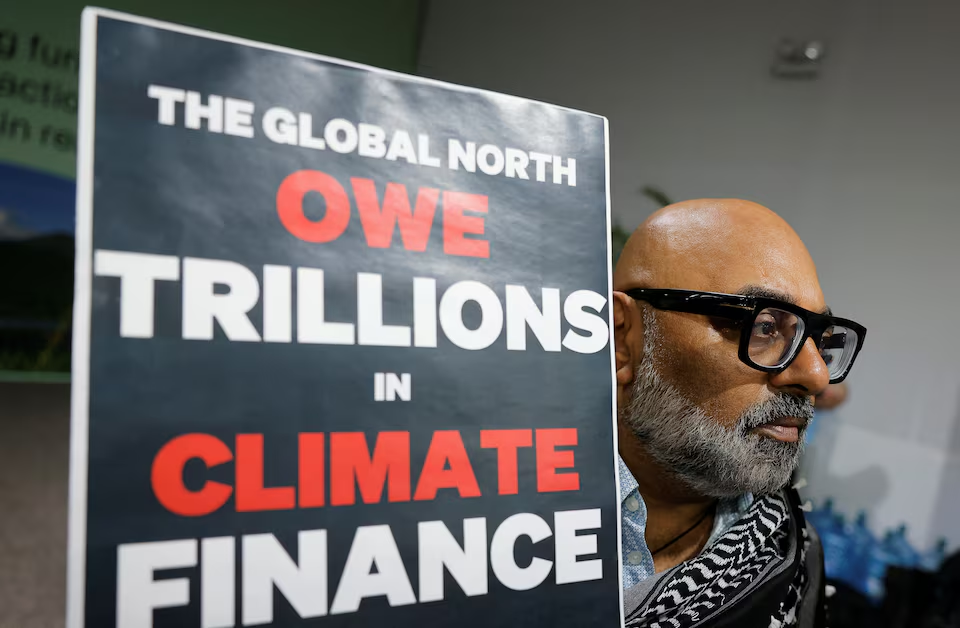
<point>862,162</point>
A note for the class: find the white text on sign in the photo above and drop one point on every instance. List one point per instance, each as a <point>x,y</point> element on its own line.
<point>234,116</point>
<point>390,387</point>
<point>374,568</point>
<point>205,306</point>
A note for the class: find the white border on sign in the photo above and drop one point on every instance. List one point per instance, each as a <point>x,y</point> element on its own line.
<point>613,367</point>
<point>83,276</point>
<point>80,366</point>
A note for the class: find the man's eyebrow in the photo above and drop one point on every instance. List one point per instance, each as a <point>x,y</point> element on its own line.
<point>752,290</point>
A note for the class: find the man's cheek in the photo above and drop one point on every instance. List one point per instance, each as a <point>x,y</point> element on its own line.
<point>741,398</point>
<point>722,389</point>
<point>703,373</point>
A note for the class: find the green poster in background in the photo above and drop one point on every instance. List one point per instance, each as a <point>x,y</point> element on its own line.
<point>38,108</point>
<point>38,95</point>
<point>38,105</point>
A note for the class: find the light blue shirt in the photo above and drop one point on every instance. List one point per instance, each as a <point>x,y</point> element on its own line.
<point>636,559</point>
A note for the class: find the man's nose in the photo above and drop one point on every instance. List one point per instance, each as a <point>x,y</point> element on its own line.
<point>807,373</point>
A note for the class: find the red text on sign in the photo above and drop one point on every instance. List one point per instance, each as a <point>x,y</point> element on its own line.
<point>354,472</point>
<point>461,230</point>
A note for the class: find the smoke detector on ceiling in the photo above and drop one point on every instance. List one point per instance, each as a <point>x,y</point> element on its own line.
<point>798,59</point>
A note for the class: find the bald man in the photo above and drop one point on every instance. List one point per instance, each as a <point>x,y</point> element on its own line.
<point>723,339</point>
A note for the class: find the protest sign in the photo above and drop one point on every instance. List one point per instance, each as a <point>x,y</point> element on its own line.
<point>341,351</point>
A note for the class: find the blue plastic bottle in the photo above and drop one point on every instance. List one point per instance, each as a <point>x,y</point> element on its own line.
<point>879,558</point>
<point>822,517</point>
<point>862,543</point>
<point>904,554</point>
<point>836,550</point>
<point>932,559</point>
<point>895,550</point>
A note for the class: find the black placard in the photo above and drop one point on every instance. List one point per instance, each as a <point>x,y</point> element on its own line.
<point>342,350</point>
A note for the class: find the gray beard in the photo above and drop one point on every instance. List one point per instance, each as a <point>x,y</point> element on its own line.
<point>697,449</point>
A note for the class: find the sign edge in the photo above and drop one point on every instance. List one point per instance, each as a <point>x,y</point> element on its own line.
<point>80,360</point>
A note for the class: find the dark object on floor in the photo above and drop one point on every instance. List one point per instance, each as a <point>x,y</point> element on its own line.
<point>909,600</point>
<point>939,605</point>
<point>848,608</point>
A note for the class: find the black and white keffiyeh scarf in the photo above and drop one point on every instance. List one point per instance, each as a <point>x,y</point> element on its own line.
<point>756,551</point>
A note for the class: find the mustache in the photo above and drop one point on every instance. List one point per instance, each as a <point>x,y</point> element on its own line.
<point>780,406</point>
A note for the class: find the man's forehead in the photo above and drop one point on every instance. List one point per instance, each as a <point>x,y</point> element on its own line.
<point>791,280</point>
<point>795,283</point>
<point>721,245</point>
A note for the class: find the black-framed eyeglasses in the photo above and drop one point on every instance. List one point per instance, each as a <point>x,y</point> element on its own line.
<point>772,332</point>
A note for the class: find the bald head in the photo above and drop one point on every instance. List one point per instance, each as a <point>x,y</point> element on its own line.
<point>718,245</point>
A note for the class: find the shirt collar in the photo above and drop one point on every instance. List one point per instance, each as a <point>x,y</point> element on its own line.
<point>628,483</point>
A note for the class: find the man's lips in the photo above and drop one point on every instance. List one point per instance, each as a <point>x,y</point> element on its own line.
<point>785,429</point>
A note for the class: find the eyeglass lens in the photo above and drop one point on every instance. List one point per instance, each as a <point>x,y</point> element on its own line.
<point>837,347</point>
<point>776,334</point>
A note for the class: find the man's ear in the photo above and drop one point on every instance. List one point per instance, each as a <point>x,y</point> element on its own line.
<point>627,326</point>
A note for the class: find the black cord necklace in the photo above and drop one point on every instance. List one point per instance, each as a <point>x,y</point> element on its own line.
<point>705,514</point>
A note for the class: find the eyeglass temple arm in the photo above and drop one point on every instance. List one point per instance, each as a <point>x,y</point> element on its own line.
<point>694,304</point>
